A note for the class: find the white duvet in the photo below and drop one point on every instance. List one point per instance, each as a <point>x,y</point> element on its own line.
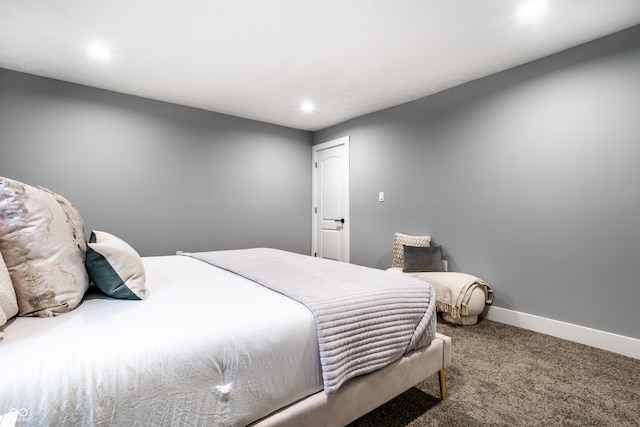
<point>206,347</point>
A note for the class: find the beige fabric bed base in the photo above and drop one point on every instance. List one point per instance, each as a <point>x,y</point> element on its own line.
<point>365,393</point>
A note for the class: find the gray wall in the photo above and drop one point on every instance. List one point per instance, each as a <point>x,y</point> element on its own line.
<point>528,178</point>
<point>162,177</point>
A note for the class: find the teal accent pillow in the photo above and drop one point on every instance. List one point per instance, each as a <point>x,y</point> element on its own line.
<point>115,267</point>
<point>422,259</point>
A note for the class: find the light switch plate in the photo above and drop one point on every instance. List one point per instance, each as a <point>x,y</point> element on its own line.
<point>381,196</point>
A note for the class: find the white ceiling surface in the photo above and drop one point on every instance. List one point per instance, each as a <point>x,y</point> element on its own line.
<point>260,59</point>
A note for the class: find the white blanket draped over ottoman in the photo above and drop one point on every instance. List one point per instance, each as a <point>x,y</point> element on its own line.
<point>460,297</point>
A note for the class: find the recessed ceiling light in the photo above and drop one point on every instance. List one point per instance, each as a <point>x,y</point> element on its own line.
<point>307,106</point>
<point>531,10</point>
<point>99,51</point>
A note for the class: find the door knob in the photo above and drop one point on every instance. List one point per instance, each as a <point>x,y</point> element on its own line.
<point>339,220</point>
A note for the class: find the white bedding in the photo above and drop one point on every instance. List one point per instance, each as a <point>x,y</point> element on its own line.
<point>365,317</point>
<point>171,359</point>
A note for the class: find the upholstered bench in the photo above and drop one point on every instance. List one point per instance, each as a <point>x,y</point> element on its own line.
<point>460,297</point>
<point>472,307</point>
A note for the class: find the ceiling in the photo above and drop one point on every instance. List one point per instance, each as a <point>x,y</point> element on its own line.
<point>262,59</point>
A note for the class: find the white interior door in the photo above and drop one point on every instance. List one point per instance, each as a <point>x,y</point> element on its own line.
<point>330,237</point>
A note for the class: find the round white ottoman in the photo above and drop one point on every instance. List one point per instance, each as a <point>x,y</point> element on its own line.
<point>475,307</point>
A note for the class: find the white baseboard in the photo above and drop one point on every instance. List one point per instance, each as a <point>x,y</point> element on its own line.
<point>592,337</point>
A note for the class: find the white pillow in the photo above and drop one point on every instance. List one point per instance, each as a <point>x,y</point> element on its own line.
<point>400,239</point>
<point>8,302</point>
<point>115,267</point>
<point>43,244</point>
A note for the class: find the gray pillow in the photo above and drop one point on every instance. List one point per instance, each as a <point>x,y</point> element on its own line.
<point>422,258</point>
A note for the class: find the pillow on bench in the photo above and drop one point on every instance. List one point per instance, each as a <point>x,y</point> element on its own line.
<point>418,258</point>
<point>400,239</point>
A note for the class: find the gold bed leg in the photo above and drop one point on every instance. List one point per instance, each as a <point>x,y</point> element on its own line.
<point>443,387</point>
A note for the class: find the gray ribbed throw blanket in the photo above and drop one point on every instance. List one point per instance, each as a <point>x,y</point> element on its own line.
<point>366,318</point>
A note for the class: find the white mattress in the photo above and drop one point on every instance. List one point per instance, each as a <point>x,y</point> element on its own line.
<point>206,347</point>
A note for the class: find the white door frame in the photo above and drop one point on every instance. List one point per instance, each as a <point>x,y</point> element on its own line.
<point>347,220</point>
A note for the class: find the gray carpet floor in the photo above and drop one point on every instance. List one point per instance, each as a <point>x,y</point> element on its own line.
<point>506,376</point>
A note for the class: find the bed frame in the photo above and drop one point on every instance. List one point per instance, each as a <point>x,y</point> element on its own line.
<point>362,394</point>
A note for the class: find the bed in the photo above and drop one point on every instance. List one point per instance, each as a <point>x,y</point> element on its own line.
<point>196,342</point>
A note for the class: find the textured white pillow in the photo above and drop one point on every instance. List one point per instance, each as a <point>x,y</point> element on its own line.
<point>115,267</point>
<point>400,239</point>
<point>43,244</point>
<point>8,302</point>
